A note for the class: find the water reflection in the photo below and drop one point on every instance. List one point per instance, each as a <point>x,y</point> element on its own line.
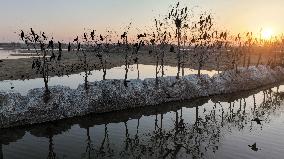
<point>72,81</point>
<point>201,128</point>
<point>15,54</point>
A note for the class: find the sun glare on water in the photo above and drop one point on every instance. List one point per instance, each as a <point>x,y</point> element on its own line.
<point>267,33</point>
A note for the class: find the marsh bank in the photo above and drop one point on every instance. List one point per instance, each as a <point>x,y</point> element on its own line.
<point>112,95</point>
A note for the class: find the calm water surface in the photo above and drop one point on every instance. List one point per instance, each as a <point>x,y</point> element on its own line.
<point>220,127</point>
<point>72,81</point>
<point>8,54</point>
<point>217,127</point>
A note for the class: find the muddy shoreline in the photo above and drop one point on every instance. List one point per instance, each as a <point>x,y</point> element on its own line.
<point>21,69</point>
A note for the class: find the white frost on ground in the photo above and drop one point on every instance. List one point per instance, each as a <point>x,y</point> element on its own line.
<point>112,95</point>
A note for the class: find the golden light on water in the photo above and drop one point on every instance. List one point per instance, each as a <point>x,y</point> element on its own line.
<point>267,33</point>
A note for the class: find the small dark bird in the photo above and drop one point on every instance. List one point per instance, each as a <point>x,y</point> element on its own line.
<point>12,87</point>
<point>101,38</point>
<point>93,34</point>
<point>43,35</point>
<point>85,37</point>
<point>136,45</point>
<point>76,39</point>
<point>257,120</point>
<point>177,4</point>
<point>32,31</point>
<point>22,35</point>
<point>36,38</point>
<point>253,147</point>
<point>124,35</point>
<point>201,22</point>
<point>141,35</point>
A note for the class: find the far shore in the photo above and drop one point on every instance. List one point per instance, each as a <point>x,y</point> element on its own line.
<point>21,69</point>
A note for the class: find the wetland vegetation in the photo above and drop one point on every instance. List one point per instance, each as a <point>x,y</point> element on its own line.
<point>183,88</point>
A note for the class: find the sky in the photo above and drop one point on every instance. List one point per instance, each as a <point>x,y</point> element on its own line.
<point>64,19</point>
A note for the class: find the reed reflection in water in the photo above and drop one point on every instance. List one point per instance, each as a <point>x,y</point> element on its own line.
<point>74,80</point>
<point>243,125</point>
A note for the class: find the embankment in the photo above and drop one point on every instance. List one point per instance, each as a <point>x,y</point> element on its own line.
<point>112,95</point>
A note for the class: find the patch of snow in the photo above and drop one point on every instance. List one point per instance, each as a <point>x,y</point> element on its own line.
<point>111,95</point>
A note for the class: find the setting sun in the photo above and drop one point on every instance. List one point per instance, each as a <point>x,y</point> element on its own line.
<point>267,33</point>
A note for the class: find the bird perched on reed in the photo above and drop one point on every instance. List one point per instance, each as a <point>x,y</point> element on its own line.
<point>43,35</point>
<point>76,39</point>
<point>93,35</point>
<point>32,32</point>
<point>101,38</point>
<point>85,37</point>
<point>124,35</point>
